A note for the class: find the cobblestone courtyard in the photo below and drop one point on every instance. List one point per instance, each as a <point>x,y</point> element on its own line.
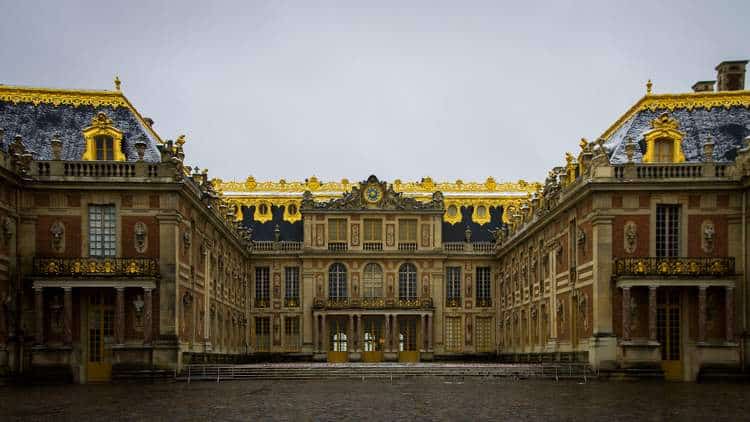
<point>415,399</point>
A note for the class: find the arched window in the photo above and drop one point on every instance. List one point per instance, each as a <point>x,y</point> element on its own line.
<point>407,282</point>
<point>373,281</point>
<point>337,281</point>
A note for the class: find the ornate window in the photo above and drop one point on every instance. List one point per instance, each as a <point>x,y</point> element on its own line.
<point>407,282</point>
<point>337,281</point>
<point>291,285</point>
<point>102,231</point>
<point>407,231</point>
<point>337,230</point>
<point>373,281</point>
<point>484,289</point>
<point>453,285</point>
<point>667,230</point>
<point>262,334</point>
<point>663,141</point>
<point>261,286</point>
<point>373,230</point>
<point>103,140</point>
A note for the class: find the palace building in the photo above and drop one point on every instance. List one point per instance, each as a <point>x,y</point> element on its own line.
<point>116,256</point>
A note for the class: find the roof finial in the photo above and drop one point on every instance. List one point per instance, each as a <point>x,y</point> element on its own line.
<point>117,82</point>
<point>649,85</point>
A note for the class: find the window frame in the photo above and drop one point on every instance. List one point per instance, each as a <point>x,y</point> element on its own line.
<point>483,283</point>
<point>337,227</point>
<point>372,281</point>
<point>262,283</point>
<point>407,281</point>
<point>370,233</point>
<point>337,281</point>
<point>453,283</point>
<point>102,233</point>
<point>407,230</point>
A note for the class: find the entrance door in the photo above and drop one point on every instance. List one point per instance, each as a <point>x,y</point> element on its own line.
<point>668,332</point>
<point>373,339</point>
<point>101,315</point>
<point>407,342</point>
<point>338,351</point>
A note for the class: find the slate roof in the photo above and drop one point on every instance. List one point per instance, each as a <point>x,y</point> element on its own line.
<point>36,115</point>
<point>726,125</point>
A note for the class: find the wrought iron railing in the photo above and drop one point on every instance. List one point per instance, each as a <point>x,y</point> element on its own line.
<point>675,266</point>
<point>99,267</point>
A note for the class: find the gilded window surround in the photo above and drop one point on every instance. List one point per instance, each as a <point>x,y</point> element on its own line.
<point>664,127</point>
<point>101,125</point>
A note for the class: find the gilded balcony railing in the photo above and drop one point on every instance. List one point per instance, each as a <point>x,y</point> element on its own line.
<point>262,302</point>
<point>485,302</point>
<point>99,267</point>
<point>373,303</point>
<point>291,302</point>
<point>453,302</point>
<point>674,266</point>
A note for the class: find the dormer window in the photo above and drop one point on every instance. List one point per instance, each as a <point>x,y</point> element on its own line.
<point>104,147</point>
<point>664,141</point>
<point>103,140</point>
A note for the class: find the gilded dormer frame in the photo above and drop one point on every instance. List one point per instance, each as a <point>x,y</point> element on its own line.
<point>664,127</point>
<point>101,125</point>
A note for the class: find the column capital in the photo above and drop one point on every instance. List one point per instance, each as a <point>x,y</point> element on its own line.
<point>67,289</point>
<point>702,288</point>
<point>653,287</point>
<point>38,289</point>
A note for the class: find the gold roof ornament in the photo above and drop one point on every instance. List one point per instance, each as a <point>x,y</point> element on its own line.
<point>117,83</point>
<point>180,140</point>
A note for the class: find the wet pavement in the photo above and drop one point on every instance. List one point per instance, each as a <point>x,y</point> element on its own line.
<point>409,399</point>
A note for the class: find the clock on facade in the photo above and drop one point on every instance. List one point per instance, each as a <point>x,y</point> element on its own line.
<point>373,194</point>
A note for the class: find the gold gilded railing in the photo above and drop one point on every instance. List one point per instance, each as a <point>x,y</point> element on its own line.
<point>676,266</point>
<point>372,303</point>
<point>83,267</point>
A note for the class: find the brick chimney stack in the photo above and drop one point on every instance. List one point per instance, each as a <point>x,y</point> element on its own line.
<point>730,75</point>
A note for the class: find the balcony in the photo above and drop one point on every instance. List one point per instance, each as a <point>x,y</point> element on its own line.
<point>484,302</point>
<point>262,302</point>
<point>469,248</point>
<point>338,246</point>
<point>269,246</point>
<point>372,246</point>
<point>291,302</point>
<point>453,302</point>
<point>407,246</point>
<point>670,171</point>
<point>96,170</point>
<point>96,267</point>
<point>372,303</point>
<point>674,267</point>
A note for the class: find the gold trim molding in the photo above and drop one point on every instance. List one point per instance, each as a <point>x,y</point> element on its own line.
<point>688,101</point>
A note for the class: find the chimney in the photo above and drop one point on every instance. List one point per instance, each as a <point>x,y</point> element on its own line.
<point>149,121</point>
<point>703,86</point>
<point>731,75</point>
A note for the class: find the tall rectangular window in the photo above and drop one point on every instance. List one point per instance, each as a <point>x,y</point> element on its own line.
<point>453,285</point>
<point>337,230</point>
<point>291,285</point>
<point>291,334</point>
<point>373,230</point>
<point>262,334</point>
<point>667,230</point>
<point>407,231</point>
<point>484,288</point>
<point>104,148</point>
<point>261,286</point>
<point>102,231</point>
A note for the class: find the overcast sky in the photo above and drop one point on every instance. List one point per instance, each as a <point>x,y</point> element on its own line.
<point>403,89</point>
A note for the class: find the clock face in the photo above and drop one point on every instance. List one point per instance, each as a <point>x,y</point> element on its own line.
<point>373,194</point>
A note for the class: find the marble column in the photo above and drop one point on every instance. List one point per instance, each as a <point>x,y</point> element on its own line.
<point>626,313</point>
<point>652,313</point>
<point>39,313</point>
<point>120,316</point>
<point>701,314</point>
<point>68,316</point>
<point>729,312</point>
<point>148,316</point>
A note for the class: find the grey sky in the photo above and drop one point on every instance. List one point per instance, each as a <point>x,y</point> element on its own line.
<point>402,89</point>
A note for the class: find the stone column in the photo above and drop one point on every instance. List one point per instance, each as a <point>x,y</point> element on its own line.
<point>429,332</point>
<point>729,312</point>
<point>396,334</point>
<point>120,316</point>
<point>387,333</point>
<point>701,314</point>
<point>148,312</point>
<point>316,344</point>
<point>350,341</point>
<point>324,337</point>
<point>652,313</point>
<point>422,332</point>
<point>39,313</point>
<point>68,316</point>
<point>626,313</point>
